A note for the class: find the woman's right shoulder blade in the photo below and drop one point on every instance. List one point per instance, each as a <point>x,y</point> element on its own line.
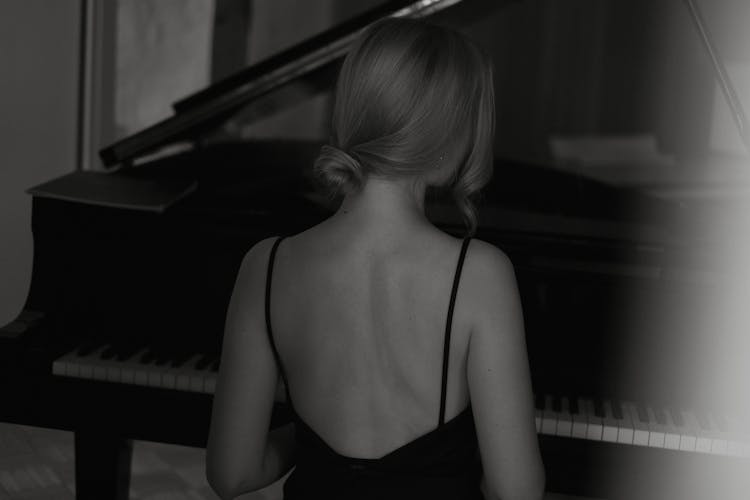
<point>499,377</point>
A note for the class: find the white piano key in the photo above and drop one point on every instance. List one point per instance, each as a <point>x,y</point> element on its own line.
<point>99,366</point>
<point>594,423</point>
<point>141,371</point>
<point>580,422</point>
<point>609,425</point>
<point>640,429</point>
<point>703,445</point>
<point>737,443</point>
<point>60,365</point>
<point>549,417</point>
<point>169,377</point>
<point>538,420</point>
<point>625,429</point>
<point>154,375</point>
<point>210,383</point>
<point>186,376</point>
<point>198,380</point>
<point>671,434</point>
<point>657,433</point>
<point>719,446</point>
<point>687,442</point>
<point>198,377</point>
<point>114,370</point>
<point>688,433</point>
<point>129,367</point>
<point>73,366</point>
<point>720,442</point>
<point>702,438</point>
<point>88,363</point>
<point>734,448</point>
<point>564,420</point>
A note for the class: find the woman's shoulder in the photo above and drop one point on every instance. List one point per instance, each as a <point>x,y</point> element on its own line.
<point>256,259</point>
<point>487,275</point>
<point>486,270</point>
<point>486,257</point>
<point>259,250</point>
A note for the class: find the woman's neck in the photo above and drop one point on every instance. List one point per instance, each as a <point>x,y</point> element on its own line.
<point>390,205</point>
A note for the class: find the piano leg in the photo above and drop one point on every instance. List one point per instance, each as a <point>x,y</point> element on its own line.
<point>102,465</point>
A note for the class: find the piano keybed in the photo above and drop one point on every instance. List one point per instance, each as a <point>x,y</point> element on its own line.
<point>630,423</point>
<point>613,421</point>
<point>192,372</point>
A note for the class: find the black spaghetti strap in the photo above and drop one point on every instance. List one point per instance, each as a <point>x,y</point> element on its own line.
<point>448,325</point>
<point>269,331</point>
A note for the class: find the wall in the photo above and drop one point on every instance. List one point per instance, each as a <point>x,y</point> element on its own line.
<point>39,42</point>
<point>163,54</point>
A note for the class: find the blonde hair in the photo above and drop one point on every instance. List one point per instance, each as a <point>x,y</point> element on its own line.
<point>409,93</point>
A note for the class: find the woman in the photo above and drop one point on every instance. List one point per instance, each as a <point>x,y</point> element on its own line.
<point>397,344</point>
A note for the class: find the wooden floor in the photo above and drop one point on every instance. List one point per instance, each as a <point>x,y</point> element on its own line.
<point>38,464</point>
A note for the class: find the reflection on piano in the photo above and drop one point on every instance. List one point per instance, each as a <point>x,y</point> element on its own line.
<point>121,335</point>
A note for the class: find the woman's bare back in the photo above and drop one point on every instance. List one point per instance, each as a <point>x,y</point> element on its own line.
<point>359,321</point>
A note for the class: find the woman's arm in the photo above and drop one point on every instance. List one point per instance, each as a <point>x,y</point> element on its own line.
<point>277,461</point>
<point>499,378</point>
<point>242,455</point>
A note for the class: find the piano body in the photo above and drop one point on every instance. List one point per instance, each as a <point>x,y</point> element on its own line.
<point>121,333</point>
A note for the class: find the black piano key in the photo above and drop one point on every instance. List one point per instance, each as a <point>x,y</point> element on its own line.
<point>661,419</point>
<point>702,418</point>
<point>539,401</point>
<point>148,356</point>
<point>161,360</point>
<point>127,351</point>
<point>88,347</point>
<point>598,408</point>
<point>163,356</point>
<point>573,401</point>
<point>109,352</point>
<point>676,417</point>
<point>203,362</point>
<point>616,409</point>
<point>181,358</point>
<point>642,413</point>
<point>556,404</point>
<point>721,422</point>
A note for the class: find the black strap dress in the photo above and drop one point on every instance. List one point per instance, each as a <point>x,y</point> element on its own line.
<point>441,464</point>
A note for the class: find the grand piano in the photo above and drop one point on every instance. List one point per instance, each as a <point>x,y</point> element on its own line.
<point>133,268</point>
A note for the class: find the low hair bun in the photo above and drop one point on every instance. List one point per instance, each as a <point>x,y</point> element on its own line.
<point>339,170</point>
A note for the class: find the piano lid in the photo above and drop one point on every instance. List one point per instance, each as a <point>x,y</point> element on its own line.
<point>576,92</point>
<point>310,62</point>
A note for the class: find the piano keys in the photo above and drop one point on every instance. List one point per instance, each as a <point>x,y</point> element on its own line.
<point>192,372</point>
<point>593,419</point>
<point>640,424</point>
